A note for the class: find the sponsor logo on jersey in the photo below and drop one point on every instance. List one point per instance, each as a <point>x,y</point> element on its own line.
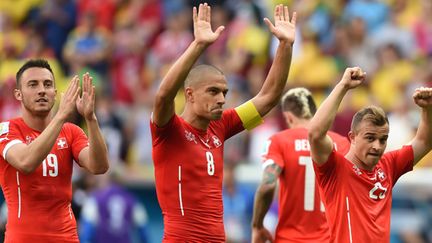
<point>357,170</point>
<point>29,139</point>
<point>4,128</point>
<point>62,143</point>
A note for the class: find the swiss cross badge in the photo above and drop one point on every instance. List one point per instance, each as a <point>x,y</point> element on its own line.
<point>62,143</point>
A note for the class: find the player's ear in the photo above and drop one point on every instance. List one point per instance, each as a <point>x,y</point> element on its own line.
<point>189,94</point>
<point>351,136</point>
<point>18,94</point>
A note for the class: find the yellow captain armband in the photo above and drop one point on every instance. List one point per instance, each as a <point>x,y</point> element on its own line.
<point>249,115</point>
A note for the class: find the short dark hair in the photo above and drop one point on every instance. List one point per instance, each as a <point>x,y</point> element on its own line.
<point>196,73</point>
<point>300,102</point>
<point>39,63</point>
<point>373,114</point>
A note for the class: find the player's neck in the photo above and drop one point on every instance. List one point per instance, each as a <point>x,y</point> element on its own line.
<point>356,161</point>
<point>195,121</point>
<point>36,122</point>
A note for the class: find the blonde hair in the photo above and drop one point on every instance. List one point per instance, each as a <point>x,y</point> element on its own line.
<point>300,102</point>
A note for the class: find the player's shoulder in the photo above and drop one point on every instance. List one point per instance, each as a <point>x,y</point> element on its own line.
<point>8,125</point>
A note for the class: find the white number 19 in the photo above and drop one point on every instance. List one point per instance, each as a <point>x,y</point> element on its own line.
<point>52,163</point>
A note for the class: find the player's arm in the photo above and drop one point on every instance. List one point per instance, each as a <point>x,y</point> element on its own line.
<point>320,143</point>
<point>163,108</point>
<point>274,84</point>
<point>26,158</point>
<point>94,157</point>
<point>422,142</point>
<point>263,199</point>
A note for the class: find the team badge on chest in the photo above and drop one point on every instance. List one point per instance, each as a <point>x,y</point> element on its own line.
<point>62,143</point>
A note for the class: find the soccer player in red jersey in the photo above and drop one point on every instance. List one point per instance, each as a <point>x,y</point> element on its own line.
<point>357,188</point>
<point>287,157</point>
<point>188,149</point>
<point>37,153</point>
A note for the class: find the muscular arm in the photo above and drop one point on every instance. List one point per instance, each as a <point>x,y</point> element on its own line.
<point>321,144</point>
<point>264,194</point>
<point>422,142</point>
<point>94,157</point>
<point>26,158</point>
<point>163,108</point>
<point>274,84</point>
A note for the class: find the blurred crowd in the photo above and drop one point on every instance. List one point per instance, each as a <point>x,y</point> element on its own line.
<point>128,45</point>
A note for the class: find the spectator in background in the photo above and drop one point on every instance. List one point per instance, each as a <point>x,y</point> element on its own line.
<point>111,214</point>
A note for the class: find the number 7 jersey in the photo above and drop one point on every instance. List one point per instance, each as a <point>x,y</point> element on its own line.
<point>188,173</point>
<point>39,203</point>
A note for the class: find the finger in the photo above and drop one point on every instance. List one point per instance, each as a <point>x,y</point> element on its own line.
<point>286,13</point>
<point>194,14</point>
<point>294,19</point>
<point>208,14</point>
<point>93,94</point>
<point>269,24</point>
<point>219,30</point>
<point>205,12</point>
<point>280,12</point>
<point>200,11</point>
<point>71,84</point>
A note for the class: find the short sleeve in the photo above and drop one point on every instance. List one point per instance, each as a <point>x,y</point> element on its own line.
<point>273,153</point>
<point>399,161</point>
<point>9,136</point>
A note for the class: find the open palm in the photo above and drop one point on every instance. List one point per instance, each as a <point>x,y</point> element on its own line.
<point>202,28</point>
<point>283,29</point>
<point>85,103</point>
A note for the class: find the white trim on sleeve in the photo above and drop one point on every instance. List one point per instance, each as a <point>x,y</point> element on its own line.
<point>9,145</point>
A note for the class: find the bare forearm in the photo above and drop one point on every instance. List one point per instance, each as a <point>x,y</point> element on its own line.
<point>326,113</point>
<point>263,201</point>
<point>28,158</point>
<point>422,140</point>
<point>98,152</point>
<point>273,86</point>
<point>177,74</point>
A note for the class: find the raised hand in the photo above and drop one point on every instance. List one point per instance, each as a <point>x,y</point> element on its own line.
<point>202,28</point>
<point>423,97</point>
<point>283,29</point>
<point>85,104</point>
<point>353,77</point>
<point>68,99</point>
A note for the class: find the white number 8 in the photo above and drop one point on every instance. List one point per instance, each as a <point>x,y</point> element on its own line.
<point>210,163</point>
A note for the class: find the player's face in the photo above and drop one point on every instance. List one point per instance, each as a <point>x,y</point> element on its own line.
<point>37,91</point>
<point>209,97</point>
<point>369,143</point>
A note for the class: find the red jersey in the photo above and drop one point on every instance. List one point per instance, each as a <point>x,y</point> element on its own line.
<point>358,202</point>
<point>39,203</point>
<point>301,212</point>
<point>188,174</point>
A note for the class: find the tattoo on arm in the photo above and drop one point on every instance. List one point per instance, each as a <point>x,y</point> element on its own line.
<point>264,194</point>
<point>271,174</point>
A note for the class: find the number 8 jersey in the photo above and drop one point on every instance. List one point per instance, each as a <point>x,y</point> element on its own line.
<point>188,172</point>
<point>39,203</point>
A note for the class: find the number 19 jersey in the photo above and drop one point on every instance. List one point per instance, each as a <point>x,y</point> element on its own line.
<point>188,173</point>
<point>39,203</point>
